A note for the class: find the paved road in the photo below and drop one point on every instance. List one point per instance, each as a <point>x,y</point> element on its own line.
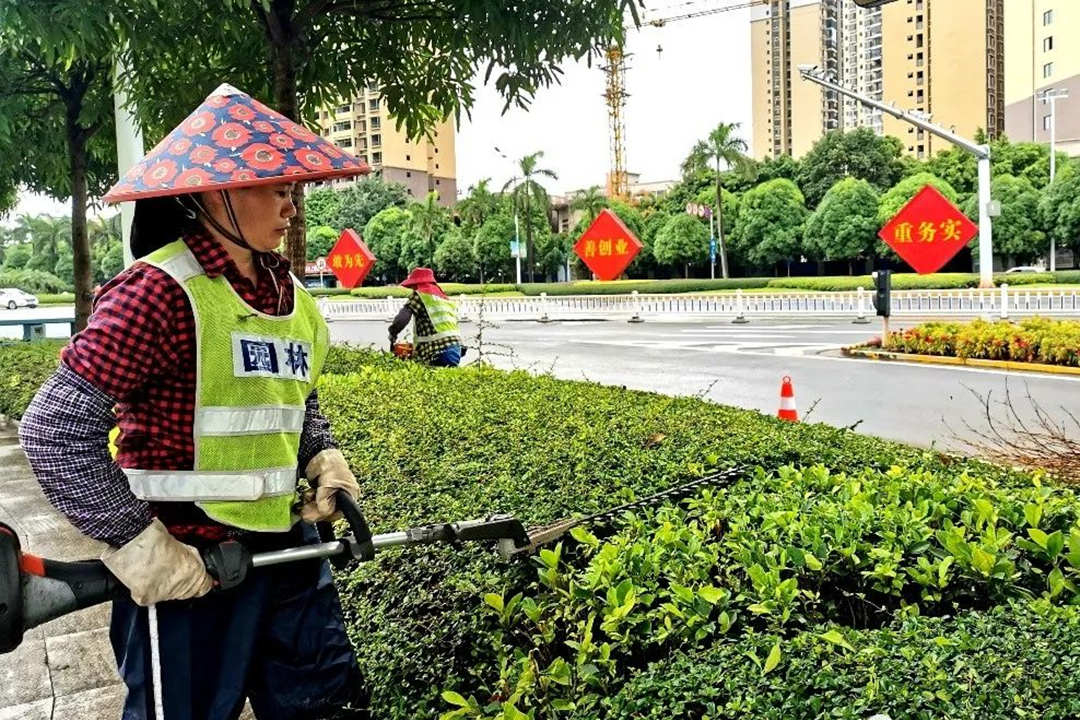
<point>742,365</point>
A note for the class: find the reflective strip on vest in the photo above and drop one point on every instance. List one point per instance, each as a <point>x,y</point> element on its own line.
<point>177,485</point>
<point>250,420</point>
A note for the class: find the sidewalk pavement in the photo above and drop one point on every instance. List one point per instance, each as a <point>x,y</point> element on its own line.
<point>65,669</point>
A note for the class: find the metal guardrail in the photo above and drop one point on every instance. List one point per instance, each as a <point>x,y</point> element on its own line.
<point>999,302</point>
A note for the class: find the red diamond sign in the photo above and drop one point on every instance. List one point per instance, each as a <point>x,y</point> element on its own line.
<point>350,259</point>
<point>928,231</point>
<point>608,246</point>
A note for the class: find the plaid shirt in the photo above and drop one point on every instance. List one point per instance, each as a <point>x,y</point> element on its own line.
<point>138,354</point>
<point>427,351</point>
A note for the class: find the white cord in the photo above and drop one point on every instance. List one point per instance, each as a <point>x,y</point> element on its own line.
<point>155,664</point>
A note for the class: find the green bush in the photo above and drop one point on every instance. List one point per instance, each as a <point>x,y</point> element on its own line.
<point>1068,277</point>
<point>23,367</point>
<point>56,298</point>
<point>778,554</point>
<point>1054,342</point>
<point>329,291</point>
<point>432,445</point>
<point>34,281</point>
<point>1010,662</point>
<point>621,287</point>
<point>450,289</point>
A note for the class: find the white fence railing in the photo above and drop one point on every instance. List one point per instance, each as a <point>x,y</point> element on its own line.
<point>998,302</point>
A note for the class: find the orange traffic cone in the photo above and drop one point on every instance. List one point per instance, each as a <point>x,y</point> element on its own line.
<point>787,402</point>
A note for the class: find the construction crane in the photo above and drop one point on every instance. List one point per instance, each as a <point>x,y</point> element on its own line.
<point>615,93</point>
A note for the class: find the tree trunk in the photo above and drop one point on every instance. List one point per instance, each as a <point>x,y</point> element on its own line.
<point>286,103</point>
<point>720,224</point>
<point>80,242</point>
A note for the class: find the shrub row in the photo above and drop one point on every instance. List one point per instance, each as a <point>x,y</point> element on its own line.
<point>1018,661</point>
<point>903,281</point>
<point>23,367</point>
<point>1055,342</point>
<point>56,298</point>
<point>435,445</point>
<point>775,554</point>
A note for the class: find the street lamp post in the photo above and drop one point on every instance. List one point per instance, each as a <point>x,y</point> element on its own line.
<point>517,232</point>
<point>981,153</point>
<point>1050,97</point>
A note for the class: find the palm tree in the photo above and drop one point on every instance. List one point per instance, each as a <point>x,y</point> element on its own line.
<point>527,191</point>
<point>722,147</point>
<point>589,202</point>
<point>478,205</point>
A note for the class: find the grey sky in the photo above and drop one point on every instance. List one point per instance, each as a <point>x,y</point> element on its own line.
<point>701,78</point>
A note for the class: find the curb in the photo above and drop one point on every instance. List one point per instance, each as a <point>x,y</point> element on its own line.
<point>967,362</point>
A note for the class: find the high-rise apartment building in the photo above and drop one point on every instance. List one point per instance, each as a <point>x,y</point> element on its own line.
<point>1041,54</point>
<point>363,127</point>
<point>943,57</point>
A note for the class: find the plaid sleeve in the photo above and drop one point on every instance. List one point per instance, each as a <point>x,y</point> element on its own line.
<point>316,435</point>
<point>129,337</point>
<point>65,435</point>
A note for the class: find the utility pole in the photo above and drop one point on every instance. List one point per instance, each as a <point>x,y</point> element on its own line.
<point>129,150</point>
<point>981,153</point>
<point>1051,97</point>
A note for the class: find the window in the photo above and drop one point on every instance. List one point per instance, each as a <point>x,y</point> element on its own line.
<point>343,108</point>
<point>408,174</point>
<point>376,140</point>
<point>1048,43</point>
<point>376,123</point>
<point>436,151</point>
<point>373,105</point>
<point>1046,123</point>
<point>408,158</point>
<point>1048,69</point>
<point>372,86</point>
<point>436,182</point>
<point>919,40</point>
<point>342,126</point>
<point>1048,17</point>
<point>436,166</point>
<point>344,142</point>
<point>376,158</point>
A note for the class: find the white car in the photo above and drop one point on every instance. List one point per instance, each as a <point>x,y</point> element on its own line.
<point>13,298</point>
<point>1024,269</point>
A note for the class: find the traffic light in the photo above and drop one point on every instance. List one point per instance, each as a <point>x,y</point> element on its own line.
<point>883,292</point>
<point>869,4</point>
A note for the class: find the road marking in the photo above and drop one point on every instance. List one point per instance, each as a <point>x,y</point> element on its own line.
<point>945,368</point>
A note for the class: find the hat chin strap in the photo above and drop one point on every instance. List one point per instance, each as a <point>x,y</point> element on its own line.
<point>238,236</point>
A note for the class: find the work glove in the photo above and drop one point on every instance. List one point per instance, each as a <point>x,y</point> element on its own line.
<point>330,474</point>
<point>157,567</point>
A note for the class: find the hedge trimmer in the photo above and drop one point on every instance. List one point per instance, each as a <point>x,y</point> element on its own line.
<point>34,590</point>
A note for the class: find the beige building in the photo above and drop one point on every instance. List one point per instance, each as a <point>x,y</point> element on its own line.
<point>363,128</point>
<point>1042,54</point>
<point>943,57</point>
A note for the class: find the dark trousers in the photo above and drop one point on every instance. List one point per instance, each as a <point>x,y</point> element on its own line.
<point>278,639</point>
<point>450,357</point>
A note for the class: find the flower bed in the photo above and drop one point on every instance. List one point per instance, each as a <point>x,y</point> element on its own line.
<point>1033,340</point>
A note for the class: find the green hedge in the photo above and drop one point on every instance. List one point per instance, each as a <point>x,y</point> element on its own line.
<point>911,281</point>
<point>434,445</point>
<point>1054,342</point>
<point>903,281</point>
<point>1010,662</point>
<point>330,291</point>
<point>23,367</point>
<point>56,298</point>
